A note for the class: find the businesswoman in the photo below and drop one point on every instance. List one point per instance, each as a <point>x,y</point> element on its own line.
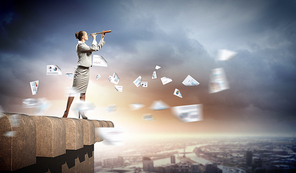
<point>81,76</point>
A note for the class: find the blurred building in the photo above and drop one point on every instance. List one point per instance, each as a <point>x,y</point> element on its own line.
<point>120,160</point>
<point>195,168</point>
<point>256,163</point>
<point>173,159</point>
<point>249,156</point>
<point>212,168</point>
<point>147,164</point>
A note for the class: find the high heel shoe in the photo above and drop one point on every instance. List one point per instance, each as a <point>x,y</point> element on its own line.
<point>82,115</point>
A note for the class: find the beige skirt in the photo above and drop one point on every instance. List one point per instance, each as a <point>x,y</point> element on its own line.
<point>81,78</point>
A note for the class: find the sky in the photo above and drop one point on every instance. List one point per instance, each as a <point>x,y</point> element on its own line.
<point>183,38</point>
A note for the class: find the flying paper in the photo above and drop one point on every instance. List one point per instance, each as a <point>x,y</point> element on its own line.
<point>218,81</point>
<point>144,84</point>
<point>154,76</point>
<point>53,70</point>
<point>177,93</point>
<point>148,117</point>
<point>188,113</point>
<point>114,78</point>
<point>110,136</point>
<point>190,81</point>
<point>158,105</point>
<point>136,106</point>
<point>98,76</point>
<point>165,80</point>
<point>34,87</point>
<point>157,67</point>
<point>99,61</point>
<point>224,55</point>
<point>69,75</point>
<point>138,81</point>
<point>118,88</point>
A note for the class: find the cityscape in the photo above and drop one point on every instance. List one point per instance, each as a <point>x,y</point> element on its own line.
<point>201,155</point>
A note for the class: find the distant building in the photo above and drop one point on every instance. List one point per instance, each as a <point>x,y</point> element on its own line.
<point>173,159</point>
<point>195,168</point>
<point>212,168</point>
<point>108,162</point>
<point>120,160</point>
<point>249,156</point>
<point>147,164</point>
<point>256,163</point>
<point>184,169</point>
<point>99,163</point>
<point>115,161</point>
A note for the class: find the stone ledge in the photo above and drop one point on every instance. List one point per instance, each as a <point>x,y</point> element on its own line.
<point>20,150</point>
<point>44,137</point>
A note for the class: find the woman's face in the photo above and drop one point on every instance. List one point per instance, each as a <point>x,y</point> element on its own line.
<point>85,36</point>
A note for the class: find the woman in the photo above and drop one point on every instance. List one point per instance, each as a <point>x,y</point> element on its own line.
<point>81,76</point>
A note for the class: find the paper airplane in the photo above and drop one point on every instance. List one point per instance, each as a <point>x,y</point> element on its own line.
<point>154,76</point>
<point>69,75</point>
<point>144,84</point>
<point>157,67</point>
<point>165,80</point>
<point>218,81</point>
<point>190,81</point>
<point>34,87</point>
<point>159,105</point>
<point>53,70</point>
<point>138,81</point>
<point>114,78</point>
<point>98,76</point>
<point>99,61</point>
<point>10,134</point>
<point>177,93</point>
<point>118,88</point>
<point>225,54</point>
<point>136,106</point>
<point>148,117</point>
<point>110,136</point>
<point>188,113</point>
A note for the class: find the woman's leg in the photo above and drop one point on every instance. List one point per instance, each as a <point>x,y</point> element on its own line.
<point>69,102</point>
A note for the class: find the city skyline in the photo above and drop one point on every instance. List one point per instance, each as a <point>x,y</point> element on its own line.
<point>182,38</point>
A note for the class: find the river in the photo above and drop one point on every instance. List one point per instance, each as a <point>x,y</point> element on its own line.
<point>192,156</point>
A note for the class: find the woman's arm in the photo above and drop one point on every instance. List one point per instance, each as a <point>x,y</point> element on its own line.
<point>94,46</point>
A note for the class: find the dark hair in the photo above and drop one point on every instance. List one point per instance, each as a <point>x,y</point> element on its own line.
<point>79,34</point>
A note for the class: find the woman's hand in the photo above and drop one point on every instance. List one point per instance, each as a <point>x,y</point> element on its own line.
<point>103,35</point>
<point>94,36</point>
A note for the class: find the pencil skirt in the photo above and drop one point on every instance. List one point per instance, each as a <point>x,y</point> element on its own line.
<point>81,78</point>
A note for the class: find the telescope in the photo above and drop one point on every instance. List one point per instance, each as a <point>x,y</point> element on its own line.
<point>102,32</point>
